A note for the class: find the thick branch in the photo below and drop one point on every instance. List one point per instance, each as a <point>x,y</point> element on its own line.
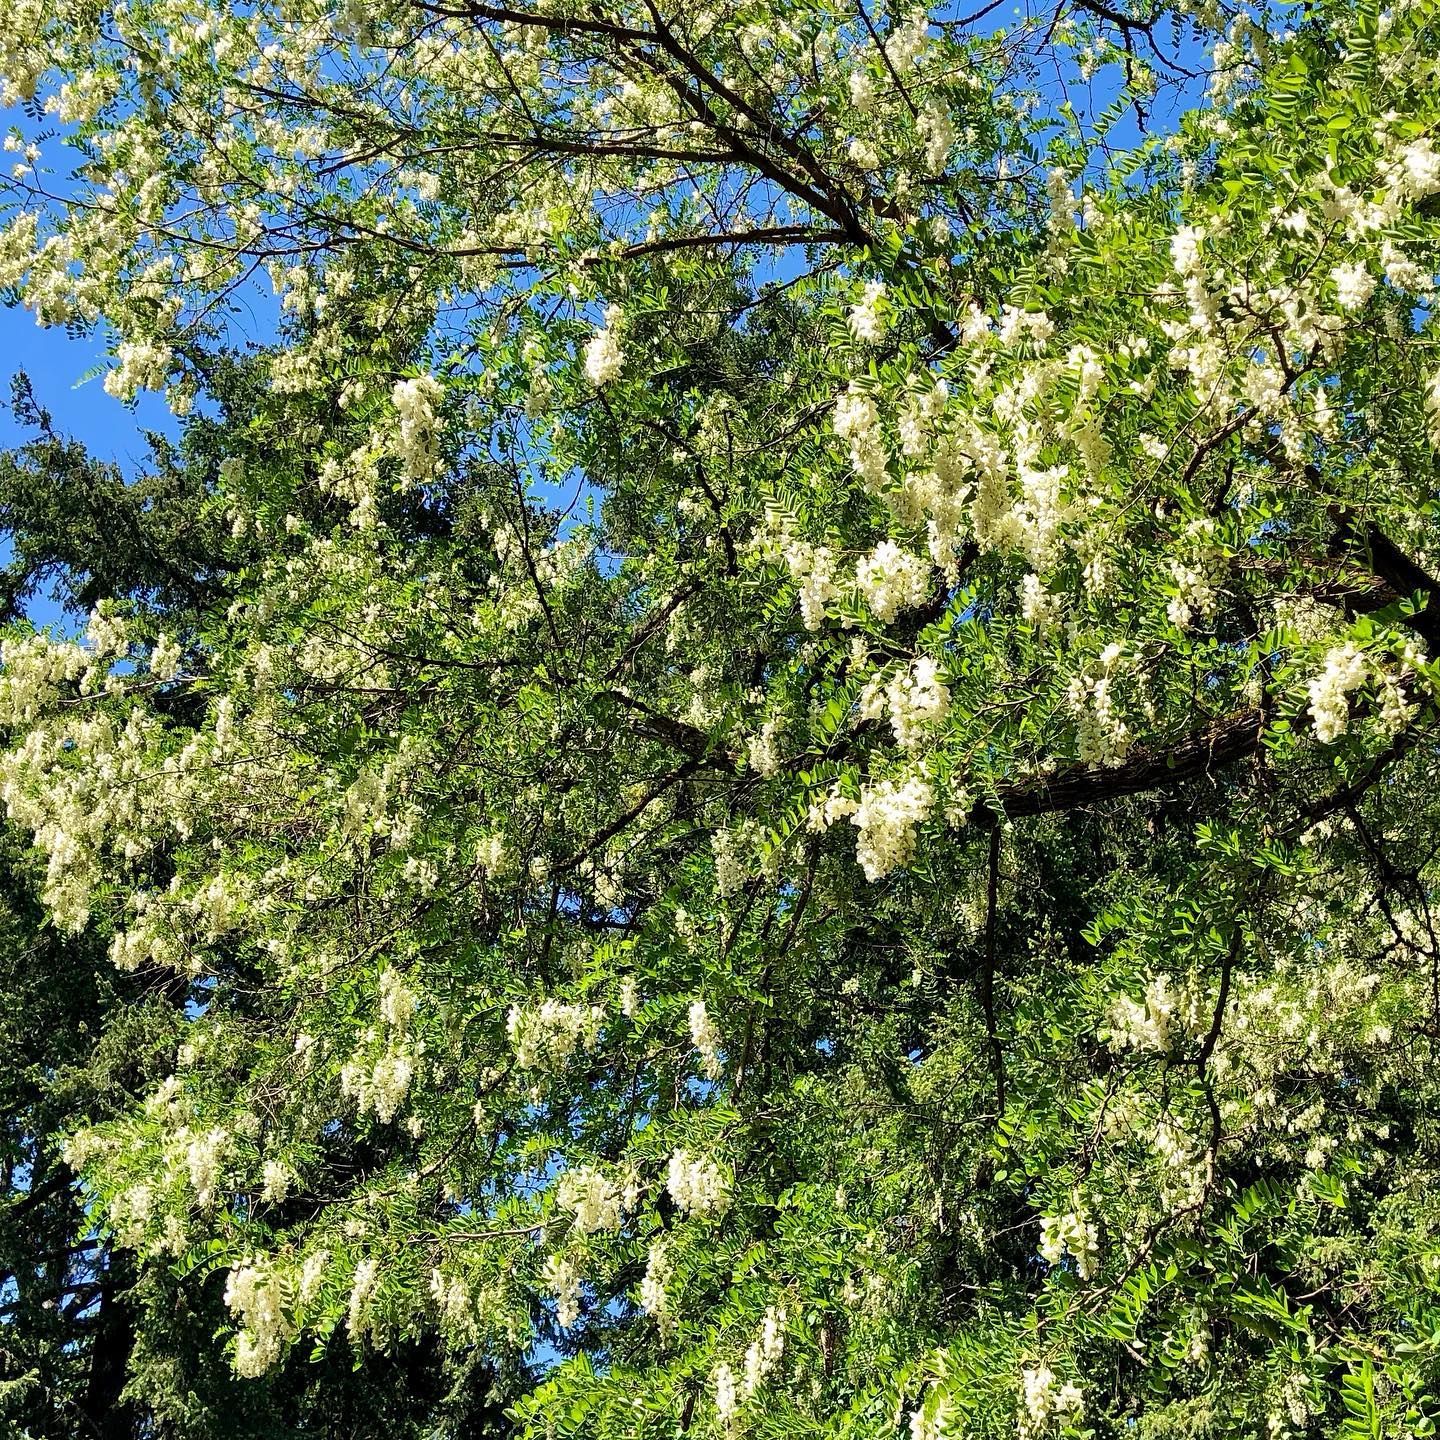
<point>1389,563</point>
<point>1226,740</point>
<point>1207,750</point>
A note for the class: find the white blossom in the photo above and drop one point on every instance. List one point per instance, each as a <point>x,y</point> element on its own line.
<point>857,422</point>
<point>592,1198</point>
<point>255,1296</point>
<point>562,1278</point>
<point>654,1294</point>
<point>1043,1401</point>
<point>546,1035</point>
<point>698,1185</point>
<point>707,1040</point>
<point>765,1351</point>
<point>726,1400</point>
<point>886,816</point>
<point>604,357</point>
<point>362,1290</point>
<point>892,579</point>
<point>416,402</point>
<point>276,1180</point>
<point>1354,285</point>
<point>1344,670</point>
<point>144,365</point>
<point>918,700</point>
<point>868,317</point>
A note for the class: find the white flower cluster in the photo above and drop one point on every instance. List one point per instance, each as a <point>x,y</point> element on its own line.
<point>629,997</point>
<point>1038,518</point>
<point>397,1000</point>
<point>1185,248</point>
<point>706,1037</point>
<point>1044,1401</point>
<point>33,672</point>
<point>919,418</point>
<point>144,365</point>
<point>931,1419</point>
<point>1345,670</point>
<point>1354,285</point>
<point>892,579</point>
<point>380,1087</point>
<point>416,401</point>
<point>562,1278</point>
<point>1039,607</point>
<point>1403,272</point>
<point>358,1313</point>
<point>1196,573</point>
<point>654,1285</point>
<point>727,1400</point>
<point>592,1198</point>
<point>454,1302</point>
<point>312,1276</point>
<point>1155,1023</point>
<point>204,1155</point>
<point>1396,710</point>
<point>762,749</point>
<point>1419,171</point>
<point>257,1299</point>
<point>886,816</point>
<point>275,1180</point>
<point>699,1186</point>
<point>937,131</point>
<point>604,357</point>
<point>867,318</point>
<point>1101,736</point>
<point>730,871</point>
<point>857,422</point>
<point>812,567</point>
<point>165,658</point>
<point>917,698</point>
<point>548,1034</point>
<point>1075,1234</point>
<point>1018,326</point>
<point>356,480</point>
<point>863,154</point>
<point>764,1352</point>
<point>490,853</point>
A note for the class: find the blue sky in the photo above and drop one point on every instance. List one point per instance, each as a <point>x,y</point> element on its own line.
<point>56,363</point>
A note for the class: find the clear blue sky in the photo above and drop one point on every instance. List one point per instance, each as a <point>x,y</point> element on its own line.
<point>56,363</point>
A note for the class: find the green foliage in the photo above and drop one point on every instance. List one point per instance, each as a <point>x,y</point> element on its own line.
<point>774,772</point>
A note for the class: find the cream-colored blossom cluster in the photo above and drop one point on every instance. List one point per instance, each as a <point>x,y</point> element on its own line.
<point>546,1035</point>
<point>886,816</point>
<point>918,699</point>
<point>1045,1402</point>
<point>698,1184</point>
<point>705,1036</point>
<point>604,355</point>
<point>1073,1234</point>
<point>1345,670</point>
<point>892,580</point>
<point>416,403</point>
<point>1157,1021</point>
<point>592,1198</point>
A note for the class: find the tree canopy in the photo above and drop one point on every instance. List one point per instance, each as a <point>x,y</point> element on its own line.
<point>772,743</point>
